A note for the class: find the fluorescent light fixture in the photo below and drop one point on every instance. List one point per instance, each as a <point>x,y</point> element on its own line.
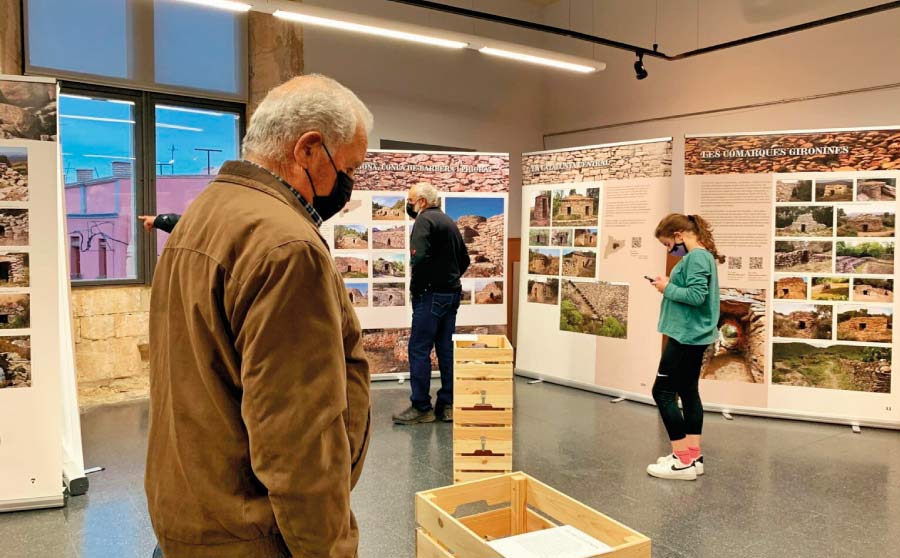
<point>97,119</point>
<point>541,60</point>
<point>346,25</point>
<point>79,97</point>
<point>177,127</point>
<point>221,5</point>
<point>190,110</point>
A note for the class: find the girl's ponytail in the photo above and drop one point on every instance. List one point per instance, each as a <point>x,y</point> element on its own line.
<point>676,222</point>
<point>704,235</point>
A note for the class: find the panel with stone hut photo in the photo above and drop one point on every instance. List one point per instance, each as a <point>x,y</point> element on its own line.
<point>867,324</point>
<point>831,190</point>
<point>488,292</point>
<point>585,238</point>
<point>389,265</point>
<point>543,291</point>
<point>388,294</point>
<point>803,256</point>
<point>739,352</point>
<point>543,262</point>
<point>876,258</point>
<point>868,222</point>
<point>15,362</point>
<point>15,311</point>
<point>358,294</point>
<point>481,222</point>
<point>806,221</point>
<point>792,288</point>
<point>352,266</point>
<point>13,174</point>
<point>576,207</point>
<point>802,321</point>
<point>539,237</point>
<point>389,238</point>
<point>594,308</point>
<point>15,270</point>
<point>13,227</point>
<point>831,288</point>
<point>388,208</point>
<point>579,263</point>
<point>351,237</point>
<point>561,237</point>
<point>793,190</point>
<point>873,290</point>
<point>842,367</point>
<point>876,189</point>
<point>539,213</point>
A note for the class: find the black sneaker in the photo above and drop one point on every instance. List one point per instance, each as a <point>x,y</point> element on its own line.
<point>414,416</point>
<point>444,414</point>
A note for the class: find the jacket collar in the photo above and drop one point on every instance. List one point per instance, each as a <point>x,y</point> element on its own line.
<point>253,176</point>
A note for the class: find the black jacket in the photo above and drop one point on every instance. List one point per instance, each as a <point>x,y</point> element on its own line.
<point>166,222</point>
<point>438,255</point>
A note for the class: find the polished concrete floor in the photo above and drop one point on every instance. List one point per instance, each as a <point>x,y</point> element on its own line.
<point>772,489</point>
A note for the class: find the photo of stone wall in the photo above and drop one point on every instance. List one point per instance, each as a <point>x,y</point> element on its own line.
<point>806,221</point>
<point>793,190</point>
<point>831,190</point>
<point>594,308</point>
<point>876,189</point>
<point>15,311</point>
<point>351,237</point>
<point>448,172</point>
<point>358,294</point>
<point>539,237</point>
<point>15,362</point>
<point>843,367</point>
<point>539,214</point>
<point>13,174</point>
<point>869,324</point>
<point>644,160</point>
<point>388,294</point>
<point>388,350</point>
<point>14,269</point>
<point>389,238</point>
<point>802,321</point>
<point>14,227</point>
<point>561,237</point>
<point>543,262</point>
<point>28,110</point>
<point>739,352</point>
<point>579,263</point>
<point>865,257</point>
<point>389,265</point>
<point>585,238</point>
<point>866,222</point>
<point>352,266</point>
<point>481,223</point>
<point>576,207</point>
<point>873,290</point>
<point>488,292</point>
<point>831,288</point>
<point>543,291</point>
<point>389,208</point>
<point>809,256</point>
<point>792,288</point>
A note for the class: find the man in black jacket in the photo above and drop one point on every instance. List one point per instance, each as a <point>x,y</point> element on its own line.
<point>438,258</point>
<point>165,222</point>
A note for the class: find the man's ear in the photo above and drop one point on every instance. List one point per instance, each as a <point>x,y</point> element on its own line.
<point>305,148</point>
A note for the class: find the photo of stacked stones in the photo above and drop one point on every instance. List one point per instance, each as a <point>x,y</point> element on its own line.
<point>488,292</point>
<point>15,311</point>
<point>481,222</point>
<point>15,362</point>
<point>865,257</point>
<point>802,321</point>
<point>14,269</point>
<point>868,324</point>
<point>834,190</point>
<point>539,214</point>
<point>739,352</point>
<point>876,189</point>
<point>543,291</point>
<point>389,265</point>
<point>594,308</point>
<point>13,174</point>
<point>351,237</point>
<point>358,293</point>
<point>13,227</point>
<point>842,367</point>
<point>809,256</point>
<point>352,266</point>
<point>576,207</point>
<point>831,288</point>
<point>866,221</point>
<point>806,221</point>
<point>539,237</point>
<point>28,111</point>
<point>793,288</point>
<point>579,263</point>
<point>873,290</point>
<point>388,294</point>
<point>389,208</point>
<point>388,238</point>
<point>543,262</point>
<point>793,190</point>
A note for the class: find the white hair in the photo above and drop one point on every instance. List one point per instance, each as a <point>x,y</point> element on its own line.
<point>312,103</point>
<point>428,193</point>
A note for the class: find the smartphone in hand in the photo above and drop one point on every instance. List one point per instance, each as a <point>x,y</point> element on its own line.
<point>648,278</point>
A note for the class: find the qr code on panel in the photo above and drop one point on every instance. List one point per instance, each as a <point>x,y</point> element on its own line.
<point>735,262</point>
<point>756,263</point>
<point>636,241</point>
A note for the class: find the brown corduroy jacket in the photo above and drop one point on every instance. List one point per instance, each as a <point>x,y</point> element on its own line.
<point>259,386</point>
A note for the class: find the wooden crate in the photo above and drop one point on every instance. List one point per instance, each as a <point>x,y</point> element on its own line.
<point>526,505</point>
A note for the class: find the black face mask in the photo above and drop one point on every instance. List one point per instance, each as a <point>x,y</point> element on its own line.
<point>411,210</point>
<point>678,249</point>
<point>330,205</point>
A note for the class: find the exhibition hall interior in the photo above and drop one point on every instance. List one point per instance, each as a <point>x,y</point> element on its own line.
<point>449,278</point>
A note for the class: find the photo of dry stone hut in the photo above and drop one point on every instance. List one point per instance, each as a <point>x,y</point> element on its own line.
<point>834,190</point>
<point>843,367</point>
<point>585,238</point>
<point>876,189</point>
<point>358,294</point>
<point>594,308</point>
<point>388,294</point>
<point>351,237</point>
<point>793,288</point>
<point>13,174</point>
<point>539,237</point>
<point>481,222</point>
<point>870,324</point>
<point>866,223</point>
<point>389,265</point>
<point>831,288</point>
<point>389,208</point>
<point>802,321</point>
<point>543,262</point>
<point>28,111</point>
<point>14,269</point>
<point>13,227</point>
<point>561,237</point>
<point>15,311</point>
<point>865,257</point>
<point>15,362</point>
<point>873,290</point>
<point>793,190</point>
<point>389,238</point>
<point>388,350</point>
<point>543,291</point>
<point>576,207</point>
<point>539,214</point>
<point>804,221</point>
<point>579,263</point>
<point>352,266</point>
<point>488,292</point>
<point>798,256</point>
<point>739,353</point>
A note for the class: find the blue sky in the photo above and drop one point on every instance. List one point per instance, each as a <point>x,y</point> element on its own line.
<point>484,207</point>
<point>363,287</point>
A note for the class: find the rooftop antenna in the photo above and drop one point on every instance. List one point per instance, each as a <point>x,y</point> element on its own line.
<point>208,151</point>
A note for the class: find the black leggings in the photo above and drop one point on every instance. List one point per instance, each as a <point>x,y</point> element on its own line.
<point>679,376</point>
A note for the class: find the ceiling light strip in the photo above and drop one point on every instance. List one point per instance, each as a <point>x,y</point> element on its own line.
<point>540,60</point>
<point>222,5</point>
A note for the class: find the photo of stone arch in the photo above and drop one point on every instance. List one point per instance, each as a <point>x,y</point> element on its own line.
<point>803,256</point>
<point>793,190</point>
<point>834,190</point>
<point>351,237</point>
<point>594,308</point>
<point>585,238</point>
<point>13,227</point>
<point>865,257</point>
<point>539,213</point>
<point>388,294</point>
<point>576,207</point>
<point>15,311</point>
<point>543,262</point>
<point>871,222</point>
<point>873,290</point>
<point>868,324</point>
<point>388,208</point>
<point>806,221</point>
<point>739,352</point>
<point>358,294</point>
<point>827,366</point>
<point>876,189</point>
<point>389,238</point>
<point>543,291</point>
<point>488,292</point>
<point>579,263</point>
<point>352,266</point>
<point>13,174</point>
<point>15,362</point>
<point>481,223</point>
<point>791,288</point>
<point>561,237</point>
<point>802,321</point>
<point>539,237</point>
<point>831,288</point>
<point>15,270</point>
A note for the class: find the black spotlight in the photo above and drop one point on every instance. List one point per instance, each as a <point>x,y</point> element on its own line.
<point>639,71</point>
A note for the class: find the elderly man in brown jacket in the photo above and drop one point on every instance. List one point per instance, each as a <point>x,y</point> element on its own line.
<point>259,386</point>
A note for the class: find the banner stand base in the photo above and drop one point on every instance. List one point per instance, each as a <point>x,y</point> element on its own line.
<point>77,486</point>
<point>33,503</point>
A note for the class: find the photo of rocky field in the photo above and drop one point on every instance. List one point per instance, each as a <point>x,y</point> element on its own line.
<point>594,309</point>
<point>843,367</point>
<point>875,258</point>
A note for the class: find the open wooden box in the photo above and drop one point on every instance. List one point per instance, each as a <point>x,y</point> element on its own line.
<point>520,504</point>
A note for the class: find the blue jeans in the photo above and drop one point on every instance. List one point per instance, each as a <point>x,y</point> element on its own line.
<point>433,323</point>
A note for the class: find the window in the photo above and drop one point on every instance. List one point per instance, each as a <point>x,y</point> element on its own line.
<point>101,257</point>
<point>75,257</point>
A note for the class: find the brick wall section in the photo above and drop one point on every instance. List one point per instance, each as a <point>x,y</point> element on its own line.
<point>624,161</point>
